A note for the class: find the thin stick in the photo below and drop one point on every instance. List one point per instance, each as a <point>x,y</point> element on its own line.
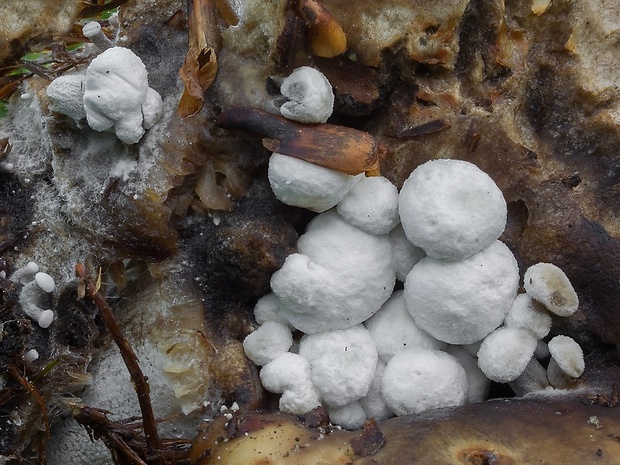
<point>140,383</point>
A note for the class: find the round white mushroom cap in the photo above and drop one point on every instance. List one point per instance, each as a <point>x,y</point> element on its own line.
<point>45,281</point>
<point>404,253</point>
<point>65,94</point>
<point>289,374</point>
<point>343,363</point>
<point>267,342</point>
<point>267,308</point>
<point>451,209</point>
<point>528,314</point>
<point>311,99</point>
<point>351,416</point>
<point>415,380</point>
<point>461,302</point>
<point>568,355</point>
<point>505,353</point>
<point>303,184</point>
<point>393,329</point>
<point>340,278</point>
<point>371,205</point>
<point>116,95</point>
<point>548,284</point>
<point>478,383</point>
<point>46,318</point>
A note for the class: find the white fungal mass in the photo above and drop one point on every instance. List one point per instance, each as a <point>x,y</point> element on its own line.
<point>368,351</point>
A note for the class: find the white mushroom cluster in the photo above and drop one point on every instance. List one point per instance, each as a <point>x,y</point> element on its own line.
<point>112,95</point>
<point>34,297</point>
<point>368,350</point>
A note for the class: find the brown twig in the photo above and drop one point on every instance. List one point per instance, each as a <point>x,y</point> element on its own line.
<point>140,383</point>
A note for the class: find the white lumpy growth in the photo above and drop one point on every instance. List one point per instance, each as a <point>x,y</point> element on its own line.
<point>311,99</point>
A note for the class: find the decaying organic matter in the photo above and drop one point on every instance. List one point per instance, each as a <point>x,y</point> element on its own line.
<point>187,233</point>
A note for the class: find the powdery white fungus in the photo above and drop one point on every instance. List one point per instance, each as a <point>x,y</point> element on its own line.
<point>505,353</point>
<point>373,403</point>
<point>340,277</point>
<point>478,383</point>
<point>116,95</point>
<point>25,274</point>
<point>528,314</point>
<point>351,416</point>
<point>302,184</point>
<point>371,205</point>
<point>451,209</point>
<point>419,379</point>
<point>311,99</point>
<point>548,284</point>
<point>404,253</point>
<point>461,302</point>
<point>65,94</point>
<point>342,362</point>
<point>267,342</point>
<point>268,309</point>
<point>393,329</point>
<point>33,294</point>
<point>568,355</point>
<point>289,374</point>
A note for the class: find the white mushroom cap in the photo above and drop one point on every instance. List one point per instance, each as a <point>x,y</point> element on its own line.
<point>340,278</point>
<point>451,209</point>
<point>45,282</point>
<point>415,380</point>
<point>393,329</point>
<point>351,416</point>
<point>116,94</point>
<point>45,318</point>
<point>478,383</point>
<point>289,374</point>
<point>404,253</point>
<point>152,108</point>
<point>267,308</point>
<point>568,355</point>
<point>548,284</point>
<point>505,353</point>
<point>462,302</point>
<point>65,94</point>
<point>528,314</point>
<point>303,184</point>
<point>311,99</point>
<point>343,363</point>
<point>373,403</point>
<point>371,205</point>
<point>266,343</point>
<point>25,274</point>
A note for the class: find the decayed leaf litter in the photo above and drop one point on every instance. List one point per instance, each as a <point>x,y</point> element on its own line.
<point>539,181</point>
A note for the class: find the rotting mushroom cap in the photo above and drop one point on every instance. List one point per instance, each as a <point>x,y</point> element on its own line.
<point>311,99</point>
<point>505,353</point>
<point>371,205</point>
<point>547,283</point>
<point>415,380</point>
<point>340,277</point>
<point>451,209</point>
<point>393,329</point>
<point>303,184</point>
<point>343,363</point>
<point>461,302</point>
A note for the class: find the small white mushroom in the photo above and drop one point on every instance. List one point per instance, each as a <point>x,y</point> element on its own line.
<point>393,329</point>
<point>340,277</point>
<point>289,374</point>
<point>415,380</point>
<point>528,314</point>
<point>267,308</point>
<point>311,99</point>
<point>505,353</point>
<point>31,298</point>
<point>478,383</point>
<point>404,253</point>
<point>451,209</point>
<point>351,416</point>
<point>461,302</point>
<point>343,363</point>
<point>533,379</point>
<point>373,403</point>
<point>266,343</point>
<point>31,356</point>
<point>303,184</point>
<point>116,95</point>
<point>66,96</point>
<point>548,284</point>
<point>25,274</point>
<point>566,362</point>
<point>92,30</point>
<point>371,205</point>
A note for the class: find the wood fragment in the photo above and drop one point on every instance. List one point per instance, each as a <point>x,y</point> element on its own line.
<point>430,127</point>
<point>327,39</point>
